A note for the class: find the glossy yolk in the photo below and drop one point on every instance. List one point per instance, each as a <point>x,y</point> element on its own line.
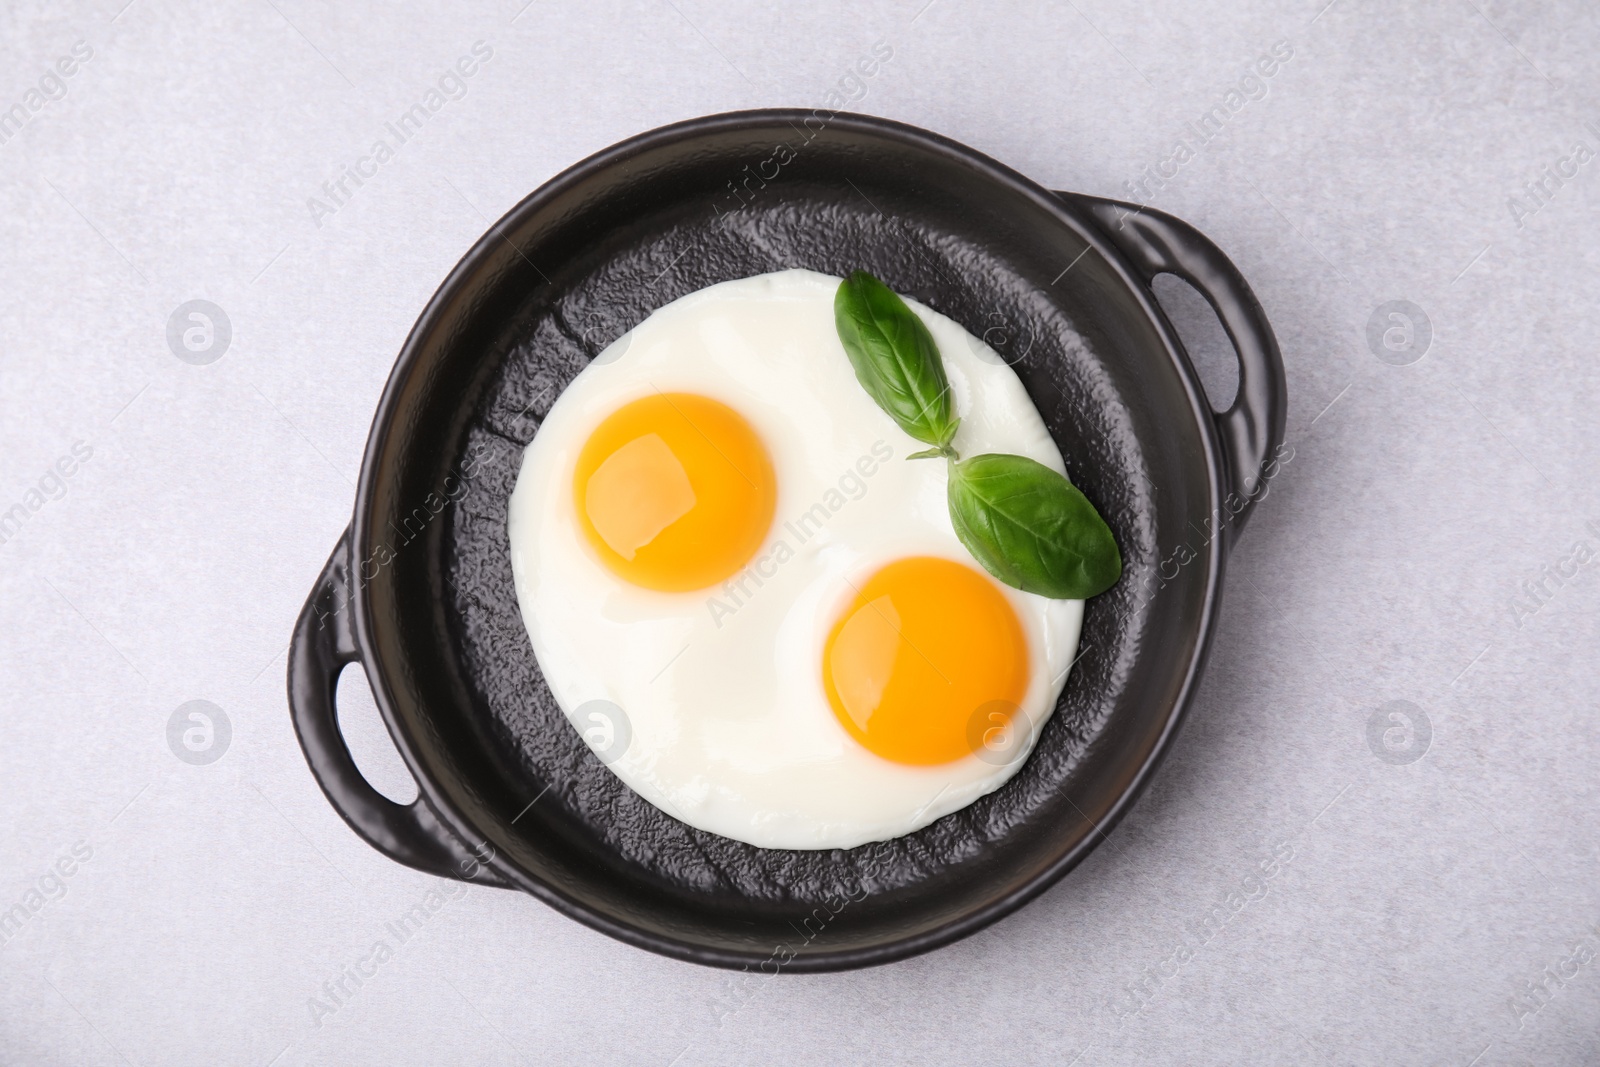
<point>674,491</point>
<point>921,659</point>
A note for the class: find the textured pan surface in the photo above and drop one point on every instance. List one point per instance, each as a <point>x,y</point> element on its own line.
<point>591,262</point>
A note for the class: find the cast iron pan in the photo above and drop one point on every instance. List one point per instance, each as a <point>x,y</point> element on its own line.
<point>419,590</point>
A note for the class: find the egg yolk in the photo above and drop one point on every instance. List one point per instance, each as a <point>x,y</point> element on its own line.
<point>927,648</point>
<point>674,491</point>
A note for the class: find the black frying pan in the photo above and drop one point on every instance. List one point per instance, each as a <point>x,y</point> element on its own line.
<point>419,589</point>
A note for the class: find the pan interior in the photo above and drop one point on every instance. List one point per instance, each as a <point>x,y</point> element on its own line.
<point>586,259</point>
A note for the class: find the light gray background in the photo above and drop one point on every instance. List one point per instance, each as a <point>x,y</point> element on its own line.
<point>1385,564</point>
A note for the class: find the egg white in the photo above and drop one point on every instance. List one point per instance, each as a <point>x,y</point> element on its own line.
<point>726,723</point>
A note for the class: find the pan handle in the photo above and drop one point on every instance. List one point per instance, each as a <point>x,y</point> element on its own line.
<point>1251,431</point>
<point>324,643</point>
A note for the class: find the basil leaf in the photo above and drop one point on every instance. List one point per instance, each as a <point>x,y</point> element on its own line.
<point>1031,528</point>
<point>895,358</point>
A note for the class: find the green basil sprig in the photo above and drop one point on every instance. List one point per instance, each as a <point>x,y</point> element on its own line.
<point>1025,523</point>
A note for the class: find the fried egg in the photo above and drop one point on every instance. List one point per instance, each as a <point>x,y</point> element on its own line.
<point>747,601</point>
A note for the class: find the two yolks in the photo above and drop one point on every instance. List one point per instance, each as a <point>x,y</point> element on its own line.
<point>676,492</point>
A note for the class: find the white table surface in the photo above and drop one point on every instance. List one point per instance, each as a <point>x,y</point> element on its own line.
<point>1386,161</point>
